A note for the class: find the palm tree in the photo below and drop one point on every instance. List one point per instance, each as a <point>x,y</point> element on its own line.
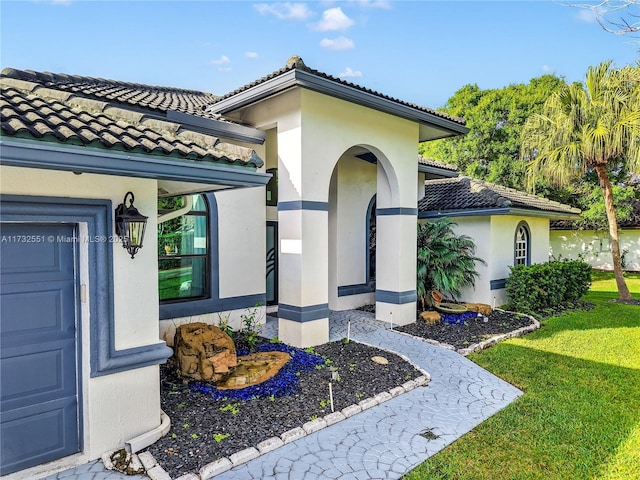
<point>446,261</point>
<point>595,126</point>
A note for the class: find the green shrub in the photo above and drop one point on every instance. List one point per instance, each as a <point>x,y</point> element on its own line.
<point>538,287</point>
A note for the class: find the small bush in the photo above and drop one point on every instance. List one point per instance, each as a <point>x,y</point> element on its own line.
<point>539,287</point>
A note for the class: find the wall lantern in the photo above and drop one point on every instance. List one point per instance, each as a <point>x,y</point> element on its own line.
<point>130,225</point>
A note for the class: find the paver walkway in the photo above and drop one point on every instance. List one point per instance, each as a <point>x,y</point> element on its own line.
<point>386,441</point>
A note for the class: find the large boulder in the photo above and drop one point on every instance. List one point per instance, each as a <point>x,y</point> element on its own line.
<point>204,352</point>
<point>481,308</point>
<point>430,317</point>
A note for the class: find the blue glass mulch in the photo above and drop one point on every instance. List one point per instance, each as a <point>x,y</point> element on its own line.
<point>458,319</point>
<point>285,382</point>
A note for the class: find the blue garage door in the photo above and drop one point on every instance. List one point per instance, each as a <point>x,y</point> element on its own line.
<point>38,350</point>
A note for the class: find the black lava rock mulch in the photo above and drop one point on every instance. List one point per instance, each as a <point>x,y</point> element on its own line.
<point>474,330</point>
<point>204,430</point>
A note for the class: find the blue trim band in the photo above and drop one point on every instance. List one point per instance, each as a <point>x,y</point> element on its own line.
<point>303,205</point>
<point>498,284</point>
<point>97,215</point>
<point>214,303</point>
<point>303,314</point>
<point>397,298</point>
<point>347,290</point>
<point>396,211</point>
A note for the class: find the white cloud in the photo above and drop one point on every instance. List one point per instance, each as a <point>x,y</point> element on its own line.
<point>334,19</point>
<point>340,43</point>
<point>221,61</point>
<point>284,11</point>
<point>251,54</point>
<point>375,4</point>
<point>350,73</point>
<point>590,15</point>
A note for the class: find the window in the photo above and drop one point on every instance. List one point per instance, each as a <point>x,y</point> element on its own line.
<point>371,241</point>
<point>522,246</point>
<point>182,248</point>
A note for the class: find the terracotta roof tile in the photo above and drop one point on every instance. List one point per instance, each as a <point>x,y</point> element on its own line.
<point>134,94</point>
<point>36,113</point>
<point>464,193</point>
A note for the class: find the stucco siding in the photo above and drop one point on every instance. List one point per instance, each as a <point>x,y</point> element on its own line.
<point>593,246</point>
<point>242,241</point>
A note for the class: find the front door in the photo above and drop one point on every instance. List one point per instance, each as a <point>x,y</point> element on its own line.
<point>39,418</point>
<point>272,263</point>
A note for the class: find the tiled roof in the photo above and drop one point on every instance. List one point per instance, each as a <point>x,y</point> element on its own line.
<point>437,163</point>
<point>30,110</point>
<point>468,194</point>
<point>145,97</point>
<point>297,63</point>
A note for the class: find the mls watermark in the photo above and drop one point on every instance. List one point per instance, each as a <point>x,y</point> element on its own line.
<point>60,239</point>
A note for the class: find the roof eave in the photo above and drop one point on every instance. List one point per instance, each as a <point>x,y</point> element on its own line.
<point>483,212</point>
<point>300,78</point>
<point>43,155</point>
<point>218,128</point>
<point>443,172</point>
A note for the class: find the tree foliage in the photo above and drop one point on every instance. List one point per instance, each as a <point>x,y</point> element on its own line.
<point>495,117</point>
<point>586,128</point>
<point>446,261</point>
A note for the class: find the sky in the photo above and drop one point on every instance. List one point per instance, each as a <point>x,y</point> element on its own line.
<point>417,51</point>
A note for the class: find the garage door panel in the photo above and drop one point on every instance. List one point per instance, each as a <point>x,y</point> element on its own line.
<point>39,420</point>
<point>37,309</point>
<point>32,253</point>
<point>38,435</point>
<point>37,376</point>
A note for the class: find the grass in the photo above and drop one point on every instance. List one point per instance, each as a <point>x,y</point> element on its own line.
<point>580,415</point>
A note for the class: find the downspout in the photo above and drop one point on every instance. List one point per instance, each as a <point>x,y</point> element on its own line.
<point>143,441</point>
<point>188,203</point>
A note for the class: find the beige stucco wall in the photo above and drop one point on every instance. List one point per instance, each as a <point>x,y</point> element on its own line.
<point>593,246</point>
<point>494,238</point>
<point>130,400</point>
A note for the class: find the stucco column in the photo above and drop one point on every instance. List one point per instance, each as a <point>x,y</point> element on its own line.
<point>303,276</point>
<point>396,265</point>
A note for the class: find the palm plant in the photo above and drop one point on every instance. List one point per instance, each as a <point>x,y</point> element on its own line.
<point>590,127</point>
<point>446,261</point>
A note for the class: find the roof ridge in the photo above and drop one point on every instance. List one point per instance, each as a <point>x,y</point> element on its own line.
<point>62,78</point>
<point>486,190</point>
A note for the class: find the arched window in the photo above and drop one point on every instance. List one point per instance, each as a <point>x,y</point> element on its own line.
<point>522,245</point>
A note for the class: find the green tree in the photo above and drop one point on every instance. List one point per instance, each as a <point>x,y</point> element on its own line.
<point>589,127</point>
<point>446,261</point>
<point>495,117</point>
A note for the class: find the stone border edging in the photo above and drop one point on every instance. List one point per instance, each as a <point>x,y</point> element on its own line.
<point>210,470</point>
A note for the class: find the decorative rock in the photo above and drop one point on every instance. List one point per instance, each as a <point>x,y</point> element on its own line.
<point>269,444</point>
<point>395,391</point>
<point>351,410</point>
<point>314,425</point>
<point>367,403</point>
<point>158,473</point>
<point>253,369</point>
<point>430,317</point>
<point>148,460</point>
<point>382,397</point>
<point>334,417</point>
<point>214,468</point>
<point>380,360</point>
<point>243,456</point>
<point>188,476</point>
<point>292,435</point>
<point>204,352</point>
<point>481,308</point>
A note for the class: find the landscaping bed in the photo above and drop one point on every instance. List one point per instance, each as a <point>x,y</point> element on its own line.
<point>470,331</point>
<point>204,429</point>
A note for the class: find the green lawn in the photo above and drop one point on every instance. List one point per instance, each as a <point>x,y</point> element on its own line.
<point>580,415</point>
